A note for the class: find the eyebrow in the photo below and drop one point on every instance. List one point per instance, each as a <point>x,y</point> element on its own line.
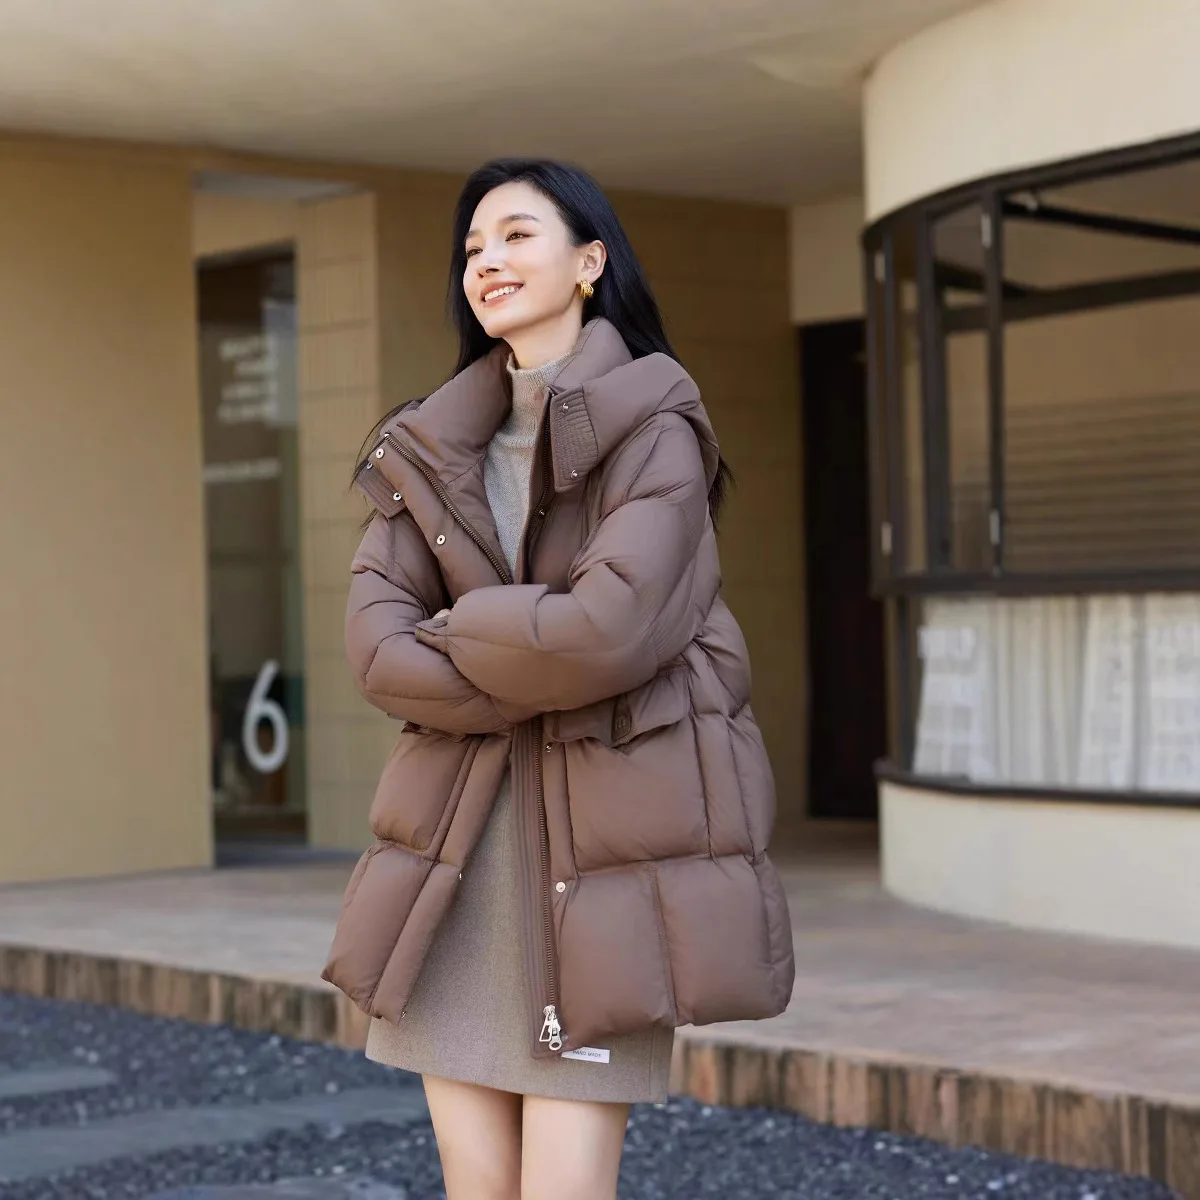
<point>506,220</point>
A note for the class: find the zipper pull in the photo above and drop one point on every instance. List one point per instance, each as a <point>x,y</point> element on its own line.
<point>551,1029</point>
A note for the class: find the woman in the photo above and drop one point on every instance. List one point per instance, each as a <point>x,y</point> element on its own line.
<point>570,833</point>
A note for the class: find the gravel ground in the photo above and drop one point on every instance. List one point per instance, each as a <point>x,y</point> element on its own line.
<point>162,1063</point>
<point>678,1151</point>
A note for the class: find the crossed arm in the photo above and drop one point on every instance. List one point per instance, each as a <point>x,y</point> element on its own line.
<point>505,653</point>
<point>394,585</point>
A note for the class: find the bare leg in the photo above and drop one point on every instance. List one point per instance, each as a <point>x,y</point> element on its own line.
<point>478,1132</point>
<point>571,1149</point>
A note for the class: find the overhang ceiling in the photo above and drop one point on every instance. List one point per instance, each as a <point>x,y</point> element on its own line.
<point>738,99</point>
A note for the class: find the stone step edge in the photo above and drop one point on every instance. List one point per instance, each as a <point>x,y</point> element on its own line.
<point>1072,1125</point>
<point>1076,1126</point>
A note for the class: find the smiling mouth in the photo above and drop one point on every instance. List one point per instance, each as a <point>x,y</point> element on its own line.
<point>509,289</point>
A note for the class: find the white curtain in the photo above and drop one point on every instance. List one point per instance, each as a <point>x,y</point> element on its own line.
<point>1089,692</point>
<point>1169,729</point>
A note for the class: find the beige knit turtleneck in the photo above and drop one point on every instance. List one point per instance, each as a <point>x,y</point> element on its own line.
<point>509,460</point>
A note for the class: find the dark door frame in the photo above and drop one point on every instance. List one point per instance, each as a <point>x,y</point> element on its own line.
<point>846,648</point>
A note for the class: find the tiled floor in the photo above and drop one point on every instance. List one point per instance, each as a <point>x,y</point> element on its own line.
<point>874,977</point>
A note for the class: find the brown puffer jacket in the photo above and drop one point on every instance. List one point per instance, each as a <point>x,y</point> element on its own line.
<point>609,674</point>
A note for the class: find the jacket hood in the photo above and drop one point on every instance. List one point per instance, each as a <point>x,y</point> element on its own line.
<point>598,399</point>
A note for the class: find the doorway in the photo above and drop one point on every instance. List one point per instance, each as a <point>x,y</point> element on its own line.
<point>846,648</point>
<point>247,318</point>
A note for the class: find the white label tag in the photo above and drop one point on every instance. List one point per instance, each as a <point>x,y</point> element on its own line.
<point>587,1054</point>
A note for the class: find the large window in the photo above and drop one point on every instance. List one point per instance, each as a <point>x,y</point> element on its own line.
<point>1035,376</point>
<point>1081,692</point>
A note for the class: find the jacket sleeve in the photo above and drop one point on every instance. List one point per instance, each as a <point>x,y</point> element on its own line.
<point>394,584</point>
<point>628,610</point>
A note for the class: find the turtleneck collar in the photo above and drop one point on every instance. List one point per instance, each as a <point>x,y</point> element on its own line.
<point>528,386</point>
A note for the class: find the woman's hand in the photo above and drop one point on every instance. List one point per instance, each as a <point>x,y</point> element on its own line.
<point>429,633</point>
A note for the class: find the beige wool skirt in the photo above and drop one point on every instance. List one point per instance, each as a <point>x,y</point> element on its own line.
<point>468,1016</point>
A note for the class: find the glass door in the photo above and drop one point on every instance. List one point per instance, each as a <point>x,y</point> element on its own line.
<point>248,392</point>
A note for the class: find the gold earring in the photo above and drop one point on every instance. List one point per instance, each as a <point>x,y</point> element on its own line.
<point>586,290</point>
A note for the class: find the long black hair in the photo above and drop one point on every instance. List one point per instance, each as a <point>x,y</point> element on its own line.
<point>622,295</point>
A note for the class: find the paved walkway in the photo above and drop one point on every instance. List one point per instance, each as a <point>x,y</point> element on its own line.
<point>873,975</point>
<point>877,981</point>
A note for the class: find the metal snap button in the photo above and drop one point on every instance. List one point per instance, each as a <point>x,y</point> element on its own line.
<point>560,886</point>
<point>574,474</point>
<point>379,452</point>
<point>566,408</point>
<point>441,539</point>
<point>397,496</point>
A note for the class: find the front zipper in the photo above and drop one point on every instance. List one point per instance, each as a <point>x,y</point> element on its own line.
<point>551,1029</point>
<point>434,482</point>
<point>551,1032</point>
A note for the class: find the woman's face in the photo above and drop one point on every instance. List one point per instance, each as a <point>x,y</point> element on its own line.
<point>522,270</point>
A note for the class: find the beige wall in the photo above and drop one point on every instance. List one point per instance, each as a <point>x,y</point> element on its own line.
<point>1018,82</point>
<point>340,399</point>
<point>371,284</point>
<point>826,260</point>
<point>1102,869</point>
<point>419,346</point>
<point>103,708</point>
<point>721,274</point>
<point>227,224</point>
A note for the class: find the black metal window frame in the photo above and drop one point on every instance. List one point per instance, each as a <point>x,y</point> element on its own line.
<point>999,199</point>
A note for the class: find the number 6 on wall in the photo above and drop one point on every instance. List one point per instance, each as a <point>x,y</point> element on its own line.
<point>260,708</point>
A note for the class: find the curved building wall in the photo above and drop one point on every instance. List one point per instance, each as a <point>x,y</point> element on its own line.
<point>1021,82</point>
<point>1098,869</point>
<point>1005,87</point>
